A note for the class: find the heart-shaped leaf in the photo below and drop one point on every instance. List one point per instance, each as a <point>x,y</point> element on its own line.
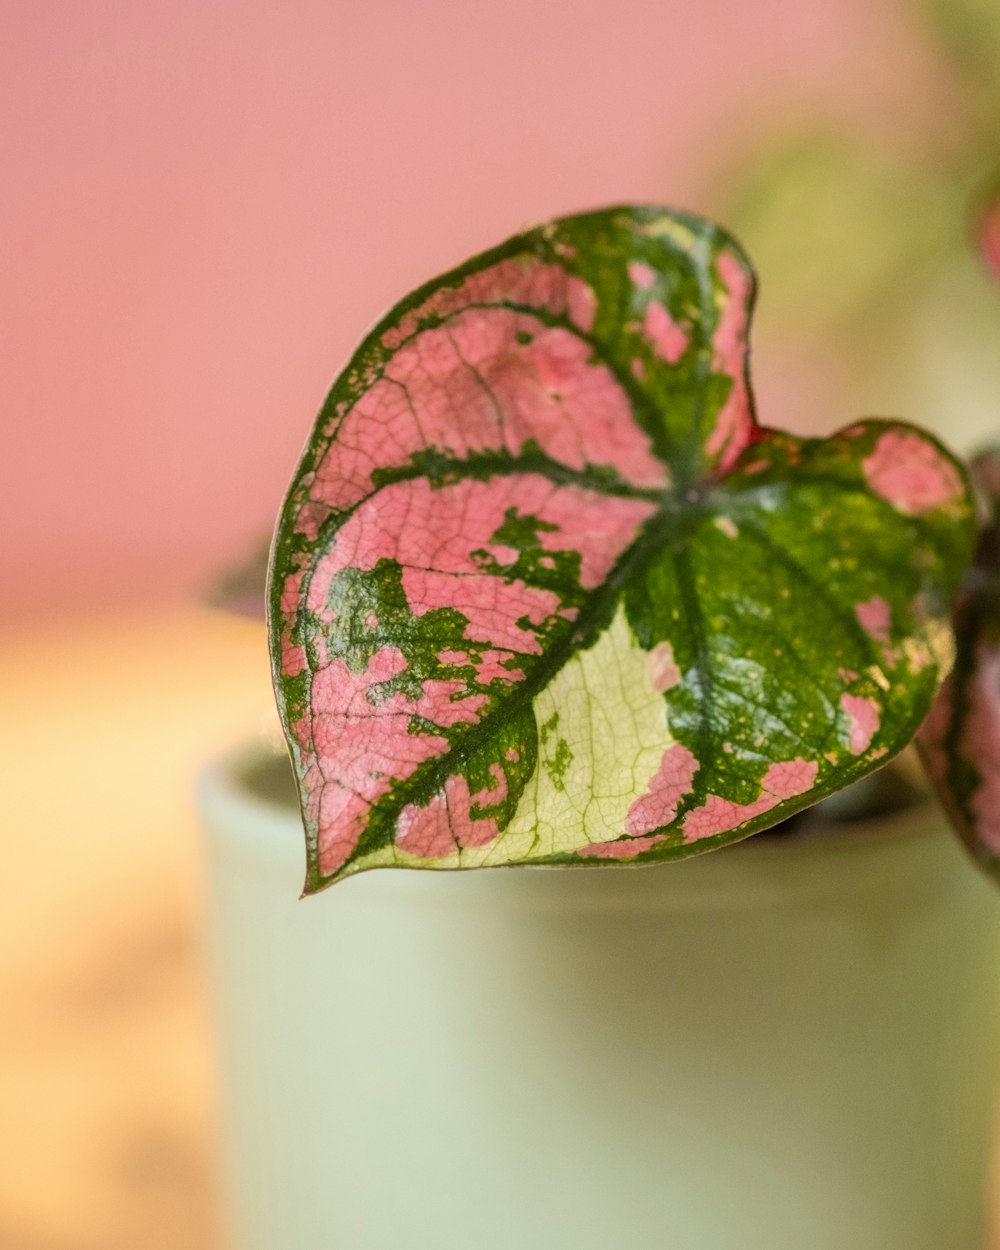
<point>960,739</point>
<point>544,592</point>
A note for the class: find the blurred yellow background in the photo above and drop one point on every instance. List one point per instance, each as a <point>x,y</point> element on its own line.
<point>106,1080</point>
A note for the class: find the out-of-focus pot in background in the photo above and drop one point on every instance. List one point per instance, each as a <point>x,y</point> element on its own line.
<point>791,1042</point>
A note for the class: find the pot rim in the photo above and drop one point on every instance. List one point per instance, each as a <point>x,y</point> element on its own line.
<point>909,851</point>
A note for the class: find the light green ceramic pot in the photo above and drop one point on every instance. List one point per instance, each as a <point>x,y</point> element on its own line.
<point>787,1045</point>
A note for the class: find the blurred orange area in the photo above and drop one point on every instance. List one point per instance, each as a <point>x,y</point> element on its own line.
<point>106,1083</point>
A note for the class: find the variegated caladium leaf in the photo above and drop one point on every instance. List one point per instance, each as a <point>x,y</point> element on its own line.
<point>960,740</point>
<point>543,592</point>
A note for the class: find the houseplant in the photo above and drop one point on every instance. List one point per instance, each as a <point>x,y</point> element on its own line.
<point>543,592</point>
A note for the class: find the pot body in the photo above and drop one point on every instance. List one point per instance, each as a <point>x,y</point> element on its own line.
<point>781,1045</point>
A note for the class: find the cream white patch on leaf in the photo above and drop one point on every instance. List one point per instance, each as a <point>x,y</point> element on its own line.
<point>612,732</point>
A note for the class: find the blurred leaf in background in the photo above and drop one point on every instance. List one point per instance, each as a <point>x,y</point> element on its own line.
<point>987,228</point>
<point>240,588</point>
<point>880,245</point>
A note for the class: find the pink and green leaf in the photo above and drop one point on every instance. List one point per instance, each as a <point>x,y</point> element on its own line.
<point>544,592</point>
<point>960,740</point>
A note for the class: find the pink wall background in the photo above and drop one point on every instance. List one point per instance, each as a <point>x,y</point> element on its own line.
<point>205,204</point>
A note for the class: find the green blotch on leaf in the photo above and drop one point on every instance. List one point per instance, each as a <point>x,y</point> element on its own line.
<point>557,765</point>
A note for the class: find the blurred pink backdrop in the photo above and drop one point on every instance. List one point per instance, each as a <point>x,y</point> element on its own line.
<point>207,203</point>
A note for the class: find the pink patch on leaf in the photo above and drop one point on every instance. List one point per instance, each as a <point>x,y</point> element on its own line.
<point>310,518</point>
<point>434,533</point>
<point>293,658</point>
<point>873,617</point>
<point>494,666</point>
<point>669,784</point>
<point>426,831</point>
<point>502,553</point>
<point>489,380</point>
<point>784,780</point>
<point>341,816</point>
<point>357,741</point>
<point>489,665</point>
<point>789,778</point>
<point>864,718</point>
<point>663,671</point>
<point>475,830</point>
<point>670,341</point>
<point>642,275</point>
<point>911,473</point>
<point>447,822</point>
<point>734,424</point>
<point>494,608</point>
<point>517,280</point>
<point>582,303</point>
<point>719,815</point>
<point>621,848</point>
<point>291,593</point>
